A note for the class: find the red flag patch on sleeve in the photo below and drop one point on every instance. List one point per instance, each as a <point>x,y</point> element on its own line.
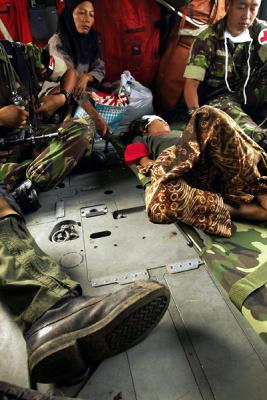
<point>262,38</point>
<point>51,64</point>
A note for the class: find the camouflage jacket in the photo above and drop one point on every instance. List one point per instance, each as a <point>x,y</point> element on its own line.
<point>206,61</point>
<point>38,62</point>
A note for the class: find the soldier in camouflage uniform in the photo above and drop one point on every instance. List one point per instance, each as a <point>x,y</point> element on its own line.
<point>227,67</point>
<point>43,163</point>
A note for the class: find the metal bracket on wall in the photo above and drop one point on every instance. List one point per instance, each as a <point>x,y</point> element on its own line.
<point>121,279</point>
<point>184,265</point>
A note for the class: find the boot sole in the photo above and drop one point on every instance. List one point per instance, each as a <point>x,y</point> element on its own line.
<point>69,355</point>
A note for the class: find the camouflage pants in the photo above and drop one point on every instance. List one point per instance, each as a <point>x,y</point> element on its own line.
<point>46,164</point>
<point>30,281</point>
<point>233,103</point>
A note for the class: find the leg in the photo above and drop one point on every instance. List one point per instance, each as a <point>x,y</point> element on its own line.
<point>28,274</point>
<point>175,201</point>
<point>53,163</point>
<point>65,331</point>
<point>261,199</point>
<point>12,173</point>
<point>231,106</point>
<point>58,159</point>
<point>250,212</point>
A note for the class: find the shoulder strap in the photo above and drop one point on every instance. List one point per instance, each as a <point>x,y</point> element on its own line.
<point>18,61</point>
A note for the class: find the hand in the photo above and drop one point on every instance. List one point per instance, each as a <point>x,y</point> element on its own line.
<point>81,84</point>
<point>13,116</point>
<point>50,103</point>
<point>144,161</point>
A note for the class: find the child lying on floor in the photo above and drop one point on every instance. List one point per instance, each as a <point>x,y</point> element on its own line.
<point>210,174</point>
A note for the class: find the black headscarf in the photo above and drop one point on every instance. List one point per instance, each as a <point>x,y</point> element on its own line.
<point>82,48</point>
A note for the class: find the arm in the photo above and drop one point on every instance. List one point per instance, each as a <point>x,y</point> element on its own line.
<point>100,123</point>
<point>96,73</point>
<point>197,65</point>
<point>190,93</point>
<point>50,103</point>
<point>97,70</point>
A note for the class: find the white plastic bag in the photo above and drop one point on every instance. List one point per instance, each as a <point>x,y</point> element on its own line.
<point>140,101</point>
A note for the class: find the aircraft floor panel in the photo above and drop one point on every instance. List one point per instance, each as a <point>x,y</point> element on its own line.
<point>200,350</point>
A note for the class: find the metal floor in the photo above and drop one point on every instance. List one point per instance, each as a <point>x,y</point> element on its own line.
<point>202,349</point>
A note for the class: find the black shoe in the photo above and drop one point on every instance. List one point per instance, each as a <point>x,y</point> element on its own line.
<point>85,330</point>
<point>93,162</point>
<point>12,392</point>
<point>26,196</point>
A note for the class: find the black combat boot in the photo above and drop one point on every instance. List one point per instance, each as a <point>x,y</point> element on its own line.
<point>84,330</point>
<point>26,196</point>
<point>91,162</point>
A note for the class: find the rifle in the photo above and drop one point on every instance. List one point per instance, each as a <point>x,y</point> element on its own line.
<point>27,136</point>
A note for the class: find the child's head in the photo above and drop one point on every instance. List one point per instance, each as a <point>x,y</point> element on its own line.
<point>146,126</point>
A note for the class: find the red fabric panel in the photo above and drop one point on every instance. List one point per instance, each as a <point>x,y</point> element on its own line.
<point>23,23</point>
<point>17,20</point>
<point>129,38</point>
<point>60,6</point>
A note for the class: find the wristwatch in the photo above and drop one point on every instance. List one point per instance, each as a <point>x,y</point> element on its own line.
<point>192,109</point>
<point>67,95</point>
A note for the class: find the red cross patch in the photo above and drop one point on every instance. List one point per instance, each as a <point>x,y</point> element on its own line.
<point>263,37</point>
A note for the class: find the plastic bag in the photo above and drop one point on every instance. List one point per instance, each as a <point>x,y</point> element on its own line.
<point>140,101</point>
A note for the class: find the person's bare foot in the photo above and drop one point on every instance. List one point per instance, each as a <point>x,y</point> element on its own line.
<point>262,200</point>
<point>251,212</point>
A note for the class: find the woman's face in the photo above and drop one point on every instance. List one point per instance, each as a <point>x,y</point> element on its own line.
<point>84,17</point>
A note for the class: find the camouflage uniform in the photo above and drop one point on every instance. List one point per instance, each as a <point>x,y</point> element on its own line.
<point>30,281</point>
<point>206,63</point>
<point>45,163</point>
<point>231,260</point>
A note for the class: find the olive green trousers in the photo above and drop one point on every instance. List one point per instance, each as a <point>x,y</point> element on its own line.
<point>30,281</point>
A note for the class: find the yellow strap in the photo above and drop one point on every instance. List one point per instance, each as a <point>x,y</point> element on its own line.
<point>247,285</point>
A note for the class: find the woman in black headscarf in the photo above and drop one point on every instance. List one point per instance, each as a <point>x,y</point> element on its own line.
<point>77,43</point>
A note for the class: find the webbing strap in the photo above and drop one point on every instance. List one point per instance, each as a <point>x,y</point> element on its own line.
<point>247,285</point>
<point>4,31</point>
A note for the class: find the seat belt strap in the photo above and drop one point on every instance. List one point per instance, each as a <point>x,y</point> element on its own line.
<point>247,285</point>
<point>5,32</point>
